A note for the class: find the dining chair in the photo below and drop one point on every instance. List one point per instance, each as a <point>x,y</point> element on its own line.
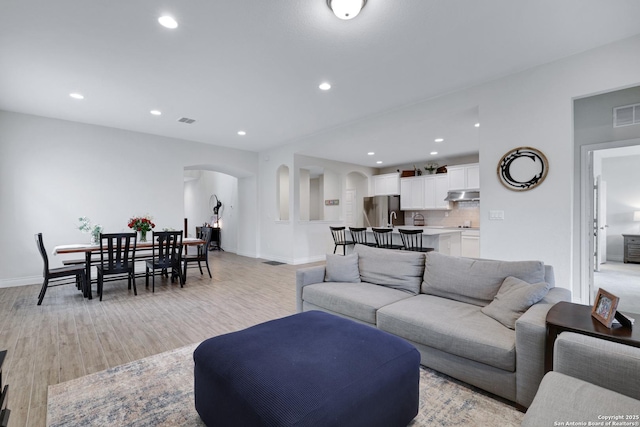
<point>166,254</point>
<point>339,238</point>
<point>412,240</point>
<point>359,235</point>
<point>202,254</point>
<point>117,257</point>
<point>77,270</point>
<point>384,238</point>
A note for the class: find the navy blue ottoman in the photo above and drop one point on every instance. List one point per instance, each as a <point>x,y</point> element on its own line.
<point>309,369</point>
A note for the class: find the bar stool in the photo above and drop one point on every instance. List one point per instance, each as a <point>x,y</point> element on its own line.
<point>339,238</point>
<point>384,238</point>
<point>412,240</point>
<point>359,235</point>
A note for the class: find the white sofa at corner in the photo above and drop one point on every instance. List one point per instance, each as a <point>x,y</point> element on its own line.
<point>434,301</point>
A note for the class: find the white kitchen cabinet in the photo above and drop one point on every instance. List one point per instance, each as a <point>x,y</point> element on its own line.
<point>412,193</point>
<point>470,244</point>
<point>435,191</point>
<point>464,177</point>
<point>449,244</point>
<point>387,184</point>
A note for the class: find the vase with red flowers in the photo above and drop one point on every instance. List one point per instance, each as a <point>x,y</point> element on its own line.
<point>142,224</point>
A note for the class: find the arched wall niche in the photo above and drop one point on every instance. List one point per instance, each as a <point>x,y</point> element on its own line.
<point>282,193</point>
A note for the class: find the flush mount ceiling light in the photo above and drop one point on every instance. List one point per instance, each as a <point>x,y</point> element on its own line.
<point>346,9</point>
<point>324,86</point>
<point>168,22</point>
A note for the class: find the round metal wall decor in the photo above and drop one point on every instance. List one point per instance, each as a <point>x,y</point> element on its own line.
<point>522,169</point>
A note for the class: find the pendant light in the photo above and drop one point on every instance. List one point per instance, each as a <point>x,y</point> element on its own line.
<point>346,9</point>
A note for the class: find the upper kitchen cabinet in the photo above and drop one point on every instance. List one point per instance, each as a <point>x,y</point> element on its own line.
<point>436,189</point>
<point>387,184</point>
<point>464,177</point>
<point>412,193</point>
<point>424,192</point>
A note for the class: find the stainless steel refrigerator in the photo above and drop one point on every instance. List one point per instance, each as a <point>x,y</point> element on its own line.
<point>378,210</point>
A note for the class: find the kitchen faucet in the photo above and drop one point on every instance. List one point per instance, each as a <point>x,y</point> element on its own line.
<point>392,214</point>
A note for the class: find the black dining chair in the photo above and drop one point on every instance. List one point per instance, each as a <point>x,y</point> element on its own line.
<point>166,255</point>
<point>359,235</point>
<point>340,239</point>
<point>412,240</point>
<point>384,238</point>
<point>202,254</point>
<point>77,270</point>
<point>117,257</point>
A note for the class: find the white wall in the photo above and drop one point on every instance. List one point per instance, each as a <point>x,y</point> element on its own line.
<point>197,209</point>
<point>54,171</point>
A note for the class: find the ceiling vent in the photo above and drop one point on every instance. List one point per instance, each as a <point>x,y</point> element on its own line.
<point>186,120</point>
<point>626,115</point>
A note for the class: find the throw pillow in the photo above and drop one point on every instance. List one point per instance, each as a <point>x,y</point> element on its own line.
<point>513,299</point>
<point>342,268</point>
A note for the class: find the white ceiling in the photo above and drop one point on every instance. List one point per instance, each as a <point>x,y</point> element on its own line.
<point>256,65</point>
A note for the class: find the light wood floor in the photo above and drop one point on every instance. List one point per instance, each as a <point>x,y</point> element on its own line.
<point>68,337</point>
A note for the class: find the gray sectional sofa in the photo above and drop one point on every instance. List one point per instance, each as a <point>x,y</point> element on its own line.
<point>593,382</point>
<point>480,321</point>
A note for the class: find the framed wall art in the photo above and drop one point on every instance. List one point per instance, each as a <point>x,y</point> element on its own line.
<point>523,168</point>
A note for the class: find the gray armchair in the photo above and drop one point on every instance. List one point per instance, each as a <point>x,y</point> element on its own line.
<point>592,380</point>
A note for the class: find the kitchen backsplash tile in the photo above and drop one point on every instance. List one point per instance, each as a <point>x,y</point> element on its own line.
<point>461,212</point>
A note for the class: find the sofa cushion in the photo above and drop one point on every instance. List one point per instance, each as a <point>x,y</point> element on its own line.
<point>356,300</point>
<point>475,281</point>
<point>453,327</point>
<point>342,268</point>
<point>561,397</point>
<point>401,270</point>
<point>513,299</point>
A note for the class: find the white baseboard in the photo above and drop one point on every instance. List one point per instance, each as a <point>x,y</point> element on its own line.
<point>20,281</point>
<point>307,260</point>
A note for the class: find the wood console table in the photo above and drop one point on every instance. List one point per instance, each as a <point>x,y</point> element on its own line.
<point>631,248</point>
<point>567,316</point>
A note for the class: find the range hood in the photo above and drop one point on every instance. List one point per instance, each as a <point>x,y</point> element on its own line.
<point>462,196</point>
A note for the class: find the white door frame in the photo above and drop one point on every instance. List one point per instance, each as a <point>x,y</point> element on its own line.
<point>586,205</point>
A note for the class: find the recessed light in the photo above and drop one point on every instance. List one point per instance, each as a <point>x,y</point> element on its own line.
<point>156,112</point>
<point>241,133</point>
<point>477,125</point>
<point>433,153</point>
<point>168,22</point>
<point>439,139</point>
<point>370,153</point>
<point>379,162</point>
<point>324,86</point>
<point>76,95</point>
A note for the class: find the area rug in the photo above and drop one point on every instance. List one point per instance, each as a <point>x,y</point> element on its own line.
<point>158,391</point>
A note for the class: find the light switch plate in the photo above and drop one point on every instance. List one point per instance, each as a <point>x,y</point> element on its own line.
<point>496,215</point>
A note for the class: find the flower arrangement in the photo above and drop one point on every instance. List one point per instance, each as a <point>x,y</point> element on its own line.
<point>86,227</point>
<point>143,224</point>
<point>430,167</point>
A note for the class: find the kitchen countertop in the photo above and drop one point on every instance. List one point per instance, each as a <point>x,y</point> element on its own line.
<point>425,230</point>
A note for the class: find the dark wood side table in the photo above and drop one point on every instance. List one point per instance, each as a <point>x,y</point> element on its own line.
<point>567,316</point>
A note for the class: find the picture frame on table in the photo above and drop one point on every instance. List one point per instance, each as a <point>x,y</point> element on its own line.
<point>604,307</point>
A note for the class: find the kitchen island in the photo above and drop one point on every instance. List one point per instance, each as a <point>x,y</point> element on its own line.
<point>444,240</point>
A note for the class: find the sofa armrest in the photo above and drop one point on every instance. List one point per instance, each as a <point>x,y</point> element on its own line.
<point>304,277</point>
<point>603,363</point>
<point>531,330</point>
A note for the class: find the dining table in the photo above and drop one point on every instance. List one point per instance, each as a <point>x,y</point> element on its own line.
<point>90,249</point>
